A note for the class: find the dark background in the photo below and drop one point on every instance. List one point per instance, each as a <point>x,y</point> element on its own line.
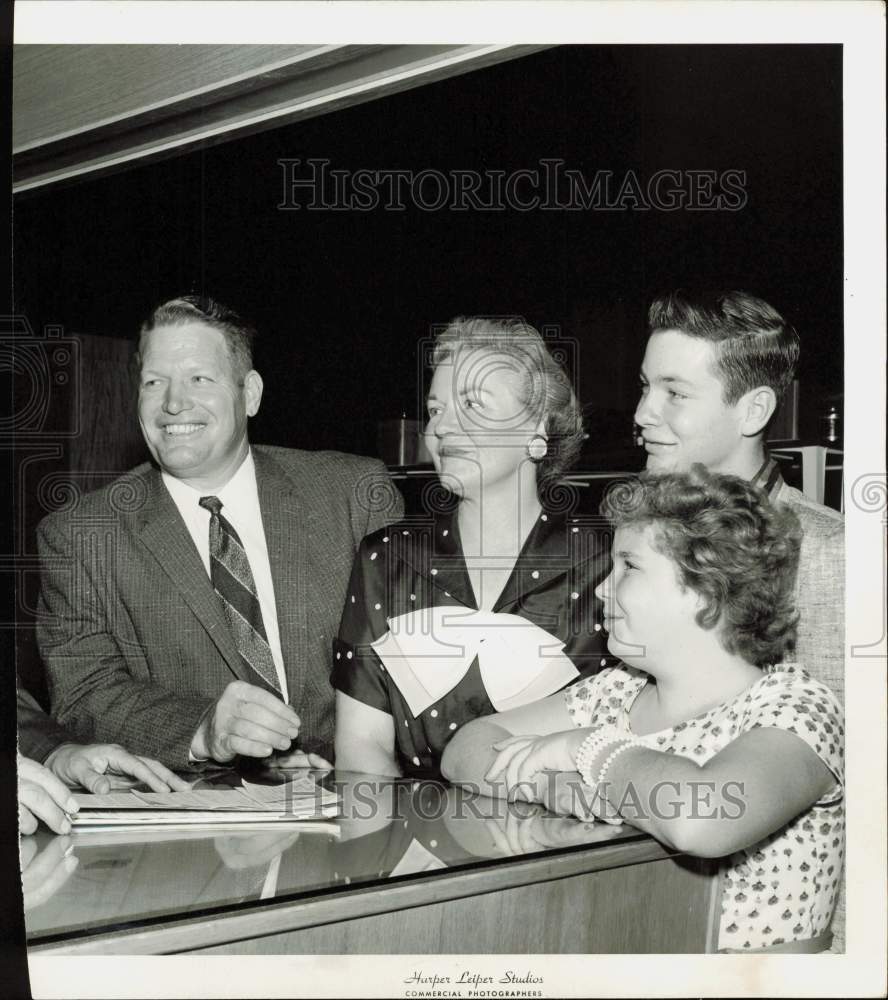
<point>342,298</point>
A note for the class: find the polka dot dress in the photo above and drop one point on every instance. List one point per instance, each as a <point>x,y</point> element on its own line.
<point>783,888</point>
<point>416,565</point>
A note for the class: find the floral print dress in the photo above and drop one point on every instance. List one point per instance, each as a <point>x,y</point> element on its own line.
<point>783,888</point>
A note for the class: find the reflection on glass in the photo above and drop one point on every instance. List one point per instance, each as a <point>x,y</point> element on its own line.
<point>388,830</point>
<point>46,867</point>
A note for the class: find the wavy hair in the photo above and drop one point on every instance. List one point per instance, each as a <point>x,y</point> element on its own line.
<point>730,545</point>
<point>546,386</point>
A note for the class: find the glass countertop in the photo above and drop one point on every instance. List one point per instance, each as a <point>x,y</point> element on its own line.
<point>389,830</point>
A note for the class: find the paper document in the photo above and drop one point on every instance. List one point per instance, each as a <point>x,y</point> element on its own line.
<point>130,834</point>
<point>298,800</point>
<point>190,817</point>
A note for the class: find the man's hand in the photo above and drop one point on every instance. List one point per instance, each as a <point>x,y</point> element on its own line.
<point>94,766</point>
<point>297,759</point>
<point>248,850</point>
<point>246,720</point>
<point>42,796</point>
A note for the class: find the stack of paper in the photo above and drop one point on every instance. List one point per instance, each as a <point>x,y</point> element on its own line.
<point>299,800</point>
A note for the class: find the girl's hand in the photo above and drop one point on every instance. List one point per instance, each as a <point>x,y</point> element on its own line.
<point>514,835</point>
<point>530,834</point>
<point>522,759</point>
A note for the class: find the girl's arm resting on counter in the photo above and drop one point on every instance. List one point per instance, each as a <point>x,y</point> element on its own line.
<point>365,738</point>
<point>469,755</point>
<point>747,791</point>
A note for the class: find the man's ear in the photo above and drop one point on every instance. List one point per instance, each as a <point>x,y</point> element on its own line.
<point>253,391</point>
<point>756,409</point>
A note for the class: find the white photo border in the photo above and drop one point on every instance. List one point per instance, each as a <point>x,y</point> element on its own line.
<point>859,28</point>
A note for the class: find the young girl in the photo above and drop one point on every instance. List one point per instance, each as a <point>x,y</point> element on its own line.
<point>702,737</point>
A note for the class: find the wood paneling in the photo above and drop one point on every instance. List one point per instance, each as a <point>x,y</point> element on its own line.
<point>657,907</point>
<point>555,901</point>
<point>76,430</point>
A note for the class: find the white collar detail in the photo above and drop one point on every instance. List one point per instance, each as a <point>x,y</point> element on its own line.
<point>429,651</point>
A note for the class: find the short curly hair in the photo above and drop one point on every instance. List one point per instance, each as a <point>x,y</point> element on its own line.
<point>547,386</point>
<point>730,545</point>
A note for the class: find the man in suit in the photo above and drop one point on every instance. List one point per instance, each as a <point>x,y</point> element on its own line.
<point>51,761</point>
<point>188,609</point>
<point>714,371</point>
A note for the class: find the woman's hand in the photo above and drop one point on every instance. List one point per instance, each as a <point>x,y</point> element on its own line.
<point>522,759</point>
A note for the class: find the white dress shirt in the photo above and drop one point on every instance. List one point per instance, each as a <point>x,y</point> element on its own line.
<point>240,506</point>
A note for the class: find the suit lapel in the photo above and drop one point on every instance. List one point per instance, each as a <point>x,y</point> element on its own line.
<point>164,534</point>
<point>290,557</point>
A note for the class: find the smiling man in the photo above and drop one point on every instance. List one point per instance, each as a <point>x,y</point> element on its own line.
<point>715,369</point>
<point>187,610</point>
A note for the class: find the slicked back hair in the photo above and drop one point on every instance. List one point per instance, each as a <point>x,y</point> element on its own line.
<point>186,309</point>
<point>754,345</point>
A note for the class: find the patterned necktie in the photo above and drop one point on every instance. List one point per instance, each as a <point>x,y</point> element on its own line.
<point>233,582</point>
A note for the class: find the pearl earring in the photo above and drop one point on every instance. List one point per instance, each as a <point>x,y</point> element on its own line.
<point>537,448</point>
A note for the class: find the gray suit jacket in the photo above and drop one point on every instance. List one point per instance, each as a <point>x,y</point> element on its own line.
<point>820,600</point>
<point>131,631</point>
<point>820,588</point>
<point>38,734</point>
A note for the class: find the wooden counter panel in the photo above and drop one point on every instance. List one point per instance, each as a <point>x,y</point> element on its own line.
<point>655,907</point>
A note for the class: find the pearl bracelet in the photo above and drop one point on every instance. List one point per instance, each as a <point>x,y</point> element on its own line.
<point>626,744</point>
<point>590,748</point>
